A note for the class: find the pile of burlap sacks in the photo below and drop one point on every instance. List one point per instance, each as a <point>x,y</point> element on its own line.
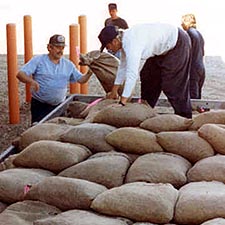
<point>117,165</point>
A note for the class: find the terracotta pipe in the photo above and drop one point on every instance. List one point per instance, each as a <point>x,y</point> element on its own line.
<point>13,92</point>
<point>74,31</point>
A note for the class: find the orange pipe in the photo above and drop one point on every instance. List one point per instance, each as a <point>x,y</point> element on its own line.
<point>74,54</point>
<point>28,48</point>
<point>13,92</point>
<point>83,47</point>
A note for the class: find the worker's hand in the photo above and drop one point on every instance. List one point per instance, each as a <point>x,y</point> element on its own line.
<point>34,86</point>
<point>112,95</point>
<point>89,72</point>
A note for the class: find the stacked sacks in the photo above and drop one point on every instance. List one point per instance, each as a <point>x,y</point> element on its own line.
<point>127,166</point>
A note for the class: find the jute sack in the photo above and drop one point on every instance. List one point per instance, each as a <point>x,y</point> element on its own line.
<point>133,140</point>
<point>217,221</point>
<point>44,131</point>
<point>104,66</point>
<point>185,143</point>
<point>138,201</point>
<point>65,193</point>
<point>92,110</point>
<point>214,134</point>
<point>217,116</point>
<point>98,169</point>
<point>130,115</point>
<point>159,168</point>
<point>13,181</point>
<point>199,202</point>
<point>8,162</point>
<point>91,135</point>
<point>82,217</point>
<point>167,122</point>
<point>3,206</point>
<point>66,120</point>
<point>75,108</point>
<point>51,155</point>
<point>208,169</point>
<point>26,212</point>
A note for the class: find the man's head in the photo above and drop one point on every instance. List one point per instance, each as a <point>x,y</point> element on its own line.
<point>56,46</point>
<point>107,35</point>
<point>57,40</point>
<point>112,10</point>
<point>188,21</point>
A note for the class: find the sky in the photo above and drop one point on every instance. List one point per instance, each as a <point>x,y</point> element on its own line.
<point>55,16</point>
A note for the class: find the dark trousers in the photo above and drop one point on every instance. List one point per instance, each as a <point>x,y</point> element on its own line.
<point>169,73</point>
<point>197,79</point>
<point>39,110</point>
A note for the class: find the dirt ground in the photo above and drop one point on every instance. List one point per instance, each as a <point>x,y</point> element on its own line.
<point>214,89</point>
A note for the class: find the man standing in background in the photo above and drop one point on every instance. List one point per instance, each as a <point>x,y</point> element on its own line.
<point>115,21</point>
<point>197,70</point>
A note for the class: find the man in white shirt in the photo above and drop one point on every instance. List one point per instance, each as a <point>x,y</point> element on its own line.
<point>160,53</point>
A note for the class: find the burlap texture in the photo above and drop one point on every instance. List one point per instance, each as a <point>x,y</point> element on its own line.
<point>217,221</point>
<point>44,131</point>
<point>51,155</point>
<point>13,181</point>
<point>138,141</point>
<point>199,202</point>
<point>185,143</point>
<point>104,66</point>
<point>159,168</point>
<point>130,115</point>
<point>213,116</point>
<point>167,122</point>
<point>91,135</point>
<point>208,169</point>
<point>108,169</point>
<point>65,193</point>
<point>138,201</point>
<point>214,134</point>
<point>82,217</point>
<point>26,212</point>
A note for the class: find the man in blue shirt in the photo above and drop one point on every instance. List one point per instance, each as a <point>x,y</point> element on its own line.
<point>48,76</point>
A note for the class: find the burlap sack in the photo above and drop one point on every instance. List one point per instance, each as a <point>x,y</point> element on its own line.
<point>185,143</point>
<point>217,221</point>
<point>98,169</point>
<point>75,109</point>
<point>51,155</point>
<point>212,116</point>
<point>8,163</point>
<point>26,212</point>
<point>65,193</point>
<point>91,135</point>
<point>82,217</point>
<point>44,131</point>
<point>214,135</point>
<point>13,181</point>
<point>104,66</point>
<point>199,202</point>
<point>3,206</point>
<point>92,110</point>
<point>159,168</point>
<point>138,201</point>
<point>65,120</point>
<point>167,122</point>
<point>208,169</point>
<point>130,115</point>
<point>133,140</point>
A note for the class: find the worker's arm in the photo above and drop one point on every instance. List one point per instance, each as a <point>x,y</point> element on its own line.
<point>85,77</point>
<point>21,76</point>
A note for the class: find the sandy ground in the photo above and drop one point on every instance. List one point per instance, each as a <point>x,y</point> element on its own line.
<point>214,89</point>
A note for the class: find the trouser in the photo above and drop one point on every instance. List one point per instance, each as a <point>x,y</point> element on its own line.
<point>197,79</point>
<point>169,73</point>
<point>39,110</point>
